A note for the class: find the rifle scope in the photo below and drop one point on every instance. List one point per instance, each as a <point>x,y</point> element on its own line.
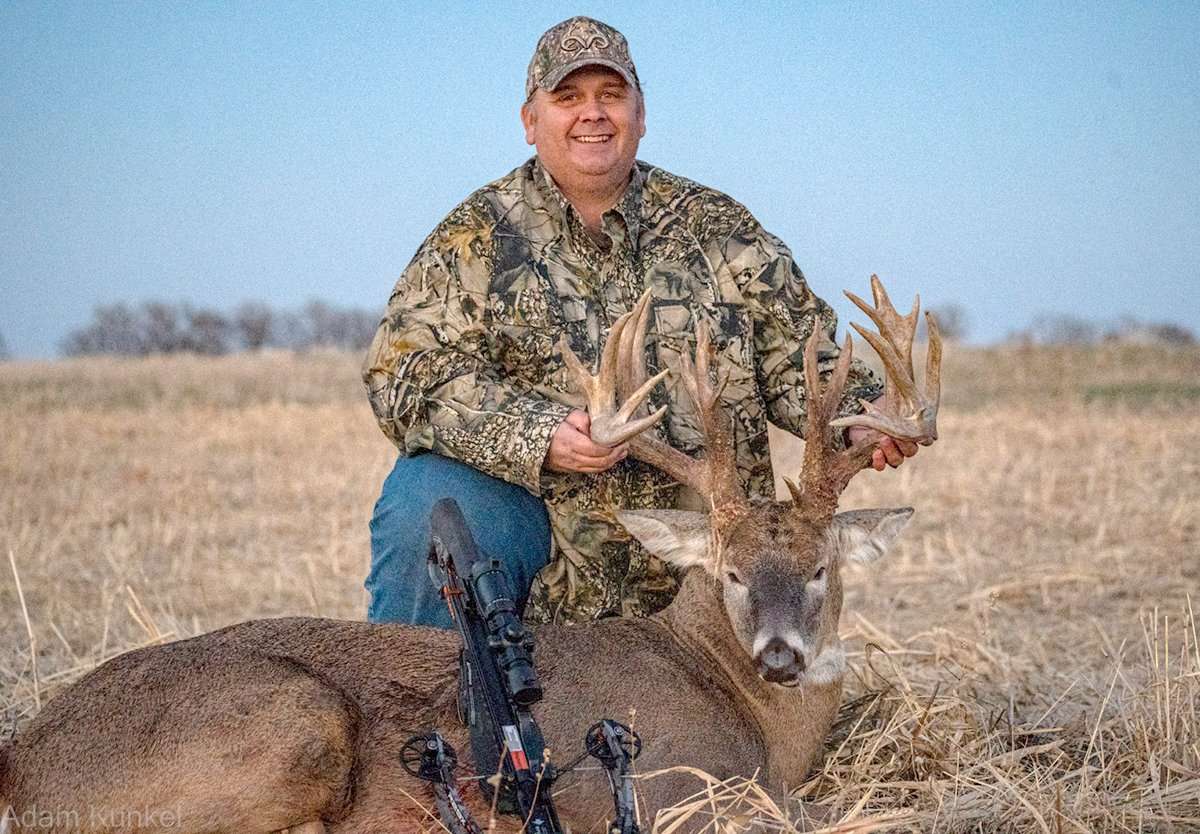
<point>507,635</point>
<point>487,588</point>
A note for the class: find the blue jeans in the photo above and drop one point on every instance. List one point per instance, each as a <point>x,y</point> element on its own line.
<point>506,521</point>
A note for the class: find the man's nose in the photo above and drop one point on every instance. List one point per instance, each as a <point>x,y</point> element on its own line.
<point>593,111</point>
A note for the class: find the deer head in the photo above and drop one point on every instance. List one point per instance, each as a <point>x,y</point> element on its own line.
<point>778,563</point>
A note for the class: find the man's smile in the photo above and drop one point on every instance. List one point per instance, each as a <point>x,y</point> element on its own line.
<point>593,139</point>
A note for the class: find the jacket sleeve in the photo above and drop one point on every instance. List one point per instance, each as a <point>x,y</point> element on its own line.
<point>785,311</point>
<point>431,376</point>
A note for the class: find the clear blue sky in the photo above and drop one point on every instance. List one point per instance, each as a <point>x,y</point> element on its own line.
<point>1012,157</point>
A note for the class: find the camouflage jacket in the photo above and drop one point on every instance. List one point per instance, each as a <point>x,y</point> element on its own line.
<point>465,361</point>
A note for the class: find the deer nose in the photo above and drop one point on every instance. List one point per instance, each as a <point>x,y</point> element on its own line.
<point>778,662</point>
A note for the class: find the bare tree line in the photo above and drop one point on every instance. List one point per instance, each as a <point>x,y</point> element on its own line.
<point>155,327</point>
<point>1070,329</point>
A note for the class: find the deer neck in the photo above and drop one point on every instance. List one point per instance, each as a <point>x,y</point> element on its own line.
<point>793,722</point>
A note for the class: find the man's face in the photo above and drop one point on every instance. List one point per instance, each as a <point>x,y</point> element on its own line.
<point>586,130</point>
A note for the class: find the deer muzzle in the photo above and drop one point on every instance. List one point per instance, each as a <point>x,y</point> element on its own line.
<point>779,663</point>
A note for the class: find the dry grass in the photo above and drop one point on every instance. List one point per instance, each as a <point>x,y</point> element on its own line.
<point>1026,658</point>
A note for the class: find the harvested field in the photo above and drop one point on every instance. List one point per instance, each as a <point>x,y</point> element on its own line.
<point>1026,658</point>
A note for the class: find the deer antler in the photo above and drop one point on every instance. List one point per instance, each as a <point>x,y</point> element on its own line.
<point>904,412</point>
<point>611,425</point>
<point>622,375</point>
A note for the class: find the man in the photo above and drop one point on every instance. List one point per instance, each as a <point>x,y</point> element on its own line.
<point>464,364</point>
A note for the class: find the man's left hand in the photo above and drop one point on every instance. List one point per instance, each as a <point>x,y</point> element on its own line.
<point>888,451</point>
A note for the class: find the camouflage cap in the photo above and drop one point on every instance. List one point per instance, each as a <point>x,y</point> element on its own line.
<point>574,43</point>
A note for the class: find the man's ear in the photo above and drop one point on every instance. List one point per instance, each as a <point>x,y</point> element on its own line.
<point>679,537</point>
<point>864,535</point>
<point>529,120</point>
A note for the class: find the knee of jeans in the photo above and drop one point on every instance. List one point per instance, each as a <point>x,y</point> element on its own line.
<point>507,521</point>
<point>395,531</point>
<point>524,544</point>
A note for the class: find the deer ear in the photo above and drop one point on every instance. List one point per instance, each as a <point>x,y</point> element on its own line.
<point>864,535</point>
<point>679,537</point>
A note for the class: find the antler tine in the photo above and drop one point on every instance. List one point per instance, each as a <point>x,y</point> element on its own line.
<point>611,426</point>
<point>899,376</point>
<point>897,329</point>
<point>825,472</point>
<point>631,355</point>
<point>622,375</point>
<point>823,401</point>
<point>582,377</point>
<point>724,485</point>
<point>631,384</point>
<point>694,375</point>
<point>933,362</point>
<point>649,448</point>
<point>600,389</point>
<point>905,412</point>
<point>609,367</point>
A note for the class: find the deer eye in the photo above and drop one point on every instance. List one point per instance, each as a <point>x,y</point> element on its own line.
<point>819,575</point>
<point>733,578</point>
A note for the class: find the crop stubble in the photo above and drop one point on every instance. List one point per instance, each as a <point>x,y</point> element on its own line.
<point>1024,659</point>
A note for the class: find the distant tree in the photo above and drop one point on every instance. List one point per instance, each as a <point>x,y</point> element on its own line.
<point>4,354</point>
<point>1133,330</point>
<point>322,323</point>
<point>207,331</point>
<point>254,322</point>
<point>1170,333</point>
<point>292,331</point>
<point>161,328</point>
<point>1063,329</point>
<point>362,329</point>
<point>115,329</point>
<point>951,320</point>
<point>341,327</point>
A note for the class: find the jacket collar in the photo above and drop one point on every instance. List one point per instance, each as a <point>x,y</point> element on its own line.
<point>628,207</point>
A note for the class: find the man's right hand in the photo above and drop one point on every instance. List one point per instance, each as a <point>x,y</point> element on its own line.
<point>572,449</point>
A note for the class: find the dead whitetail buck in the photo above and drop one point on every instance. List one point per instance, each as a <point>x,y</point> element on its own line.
<point>298,723</point>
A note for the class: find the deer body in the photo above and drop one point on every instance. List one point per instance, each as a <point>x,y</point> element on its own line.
<point>298,723</point>
<point>274,723</point>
